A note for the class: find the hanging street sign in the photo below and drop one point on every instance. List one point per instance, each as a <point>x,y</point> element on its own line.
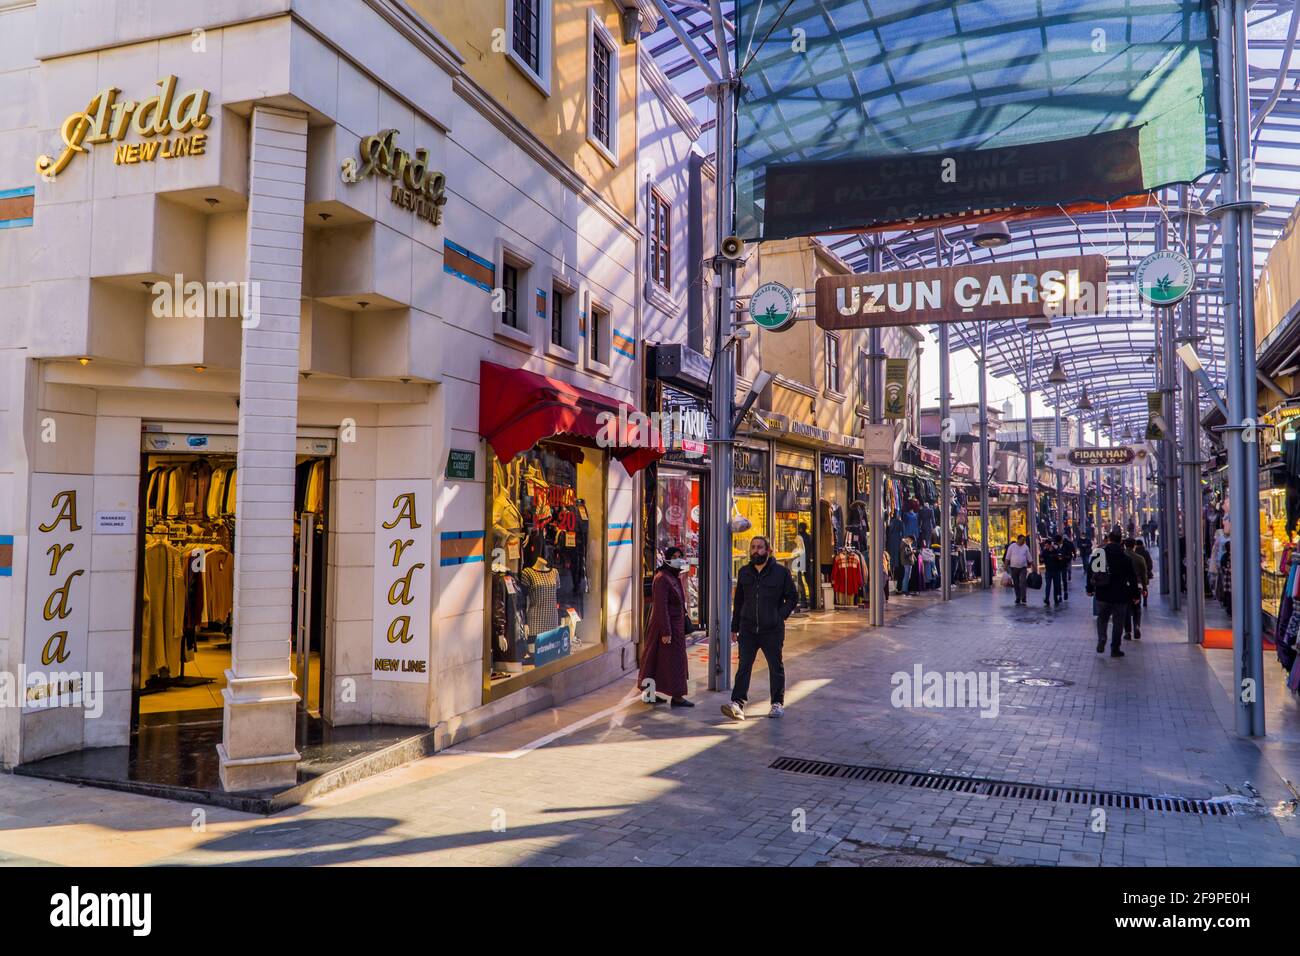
<point>1120,456</point>
<point>1024,289</point>
<point>1164,278</point>
<point>772,307</point>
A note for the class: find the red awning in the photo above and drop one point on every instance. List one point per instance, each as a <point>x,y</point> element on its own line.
<point>518,408</point>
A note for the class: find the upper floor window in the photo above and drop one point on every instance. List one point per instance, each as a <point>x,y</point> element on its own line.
<point>602,92</point>
<point>660,240</point>
<point>832,368</point>
<point>596,335</point>
<point>528,25</point>
<point>559,299</point>
<point>510,296</point>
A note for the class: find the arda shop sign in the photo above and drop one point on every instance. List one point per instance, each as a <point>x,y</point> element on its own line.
<point>414,185</point>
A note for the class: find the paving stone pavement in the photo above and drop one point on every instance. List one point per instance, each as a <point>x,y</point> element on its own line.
<point>636,785</point>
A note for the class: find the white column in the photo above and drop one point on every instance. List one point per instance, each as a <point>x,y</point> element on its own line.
<point>258,737</point>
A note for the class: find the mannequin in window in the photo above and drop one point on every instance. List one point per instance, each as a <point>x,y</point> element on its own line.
<point>541,583</point>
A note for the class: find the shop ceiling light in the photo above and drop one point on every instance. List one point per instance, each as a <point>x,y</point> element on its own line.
<point>1275,446</point>
<point>1057,376</point>
<point>1084,404</point>
<point>84,360</point>
<point>989,235</point>
<point>1289,434</point>
<point>1106,421</point>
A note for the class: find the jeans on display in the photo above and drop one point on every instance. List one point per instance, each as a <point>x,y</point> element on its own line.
<point>750,644</point>
<point>1018,578</point>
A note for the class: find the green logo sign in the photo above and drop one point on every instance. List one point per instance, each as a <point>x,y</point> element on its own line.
<point>1164,278</point>
<point>772,307</point>
<point>460,464</point>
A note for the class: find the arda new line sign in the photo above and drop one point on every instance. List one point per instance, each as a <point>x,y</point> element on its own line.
<point>1068,285</point>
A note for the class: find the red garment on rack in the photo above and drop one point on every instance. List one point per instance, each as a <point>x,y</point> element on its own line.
<point>848,572</point>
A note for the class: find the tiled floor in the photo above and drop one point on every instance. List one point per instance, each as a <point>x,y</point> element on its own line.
<point>607,780</point>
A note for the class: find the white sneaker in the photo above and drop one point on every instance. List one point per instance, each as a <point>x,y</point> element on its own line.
<point>776,711</point>
<point>734,710</point>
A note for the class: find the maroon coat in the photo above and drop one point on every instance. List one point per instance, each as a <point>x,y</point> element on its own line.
<point>665,664</point>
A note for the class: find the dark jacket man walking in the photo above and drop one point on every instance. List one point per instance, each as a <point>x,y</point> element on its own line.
<point>1115,585</point>
<point>765,597</point>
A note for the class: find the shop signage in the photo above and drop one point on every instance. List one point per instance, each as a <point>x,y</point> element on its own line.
<point>1025,289</point>
<point>56,649</point>
<point>772,306</point>
<point>415,185</point>
<point>171,125</point>
<point>1164,278</point>
<point>835,466</point>
<point>114,522</point>
<point>687,426</point>
<point>1120,456</point>
<point>403,558</point>
<point>552,645</point>
<point>749,470</point>
<point>460,464</point>
<point>895,389</point>
<point>793,490</point>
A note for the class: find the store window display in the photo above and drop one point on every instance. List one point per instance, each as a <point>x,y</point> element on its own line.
<point>749,474</point>
<point>547,535</point>
<point>677,524</point>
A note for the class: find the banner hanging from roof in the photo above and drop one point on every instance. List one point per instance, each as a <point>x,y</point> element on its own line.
<point>926,113</point>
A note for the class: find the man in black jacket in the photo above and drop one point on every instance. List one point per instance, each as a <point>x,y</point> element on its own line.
<point>1116,587</point>
<point>765,597</point>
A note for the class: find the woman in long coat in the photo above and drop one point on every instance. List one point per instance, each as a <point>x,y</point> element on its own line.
<point>663,663</point>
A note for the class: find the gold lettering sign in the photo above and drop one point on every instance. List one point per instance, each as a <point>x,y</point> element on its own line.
<point>415,186</point>
<point>107,119</point>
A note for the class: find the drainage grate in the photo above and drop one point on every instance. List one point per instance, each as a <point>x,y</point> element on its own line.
<point>1005,788</point>
<point>1001,662</point>
<point>1039,681</point>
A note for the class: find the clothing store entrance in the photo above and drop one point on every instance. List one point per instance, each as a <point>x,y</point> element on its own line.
<point>186,577</point>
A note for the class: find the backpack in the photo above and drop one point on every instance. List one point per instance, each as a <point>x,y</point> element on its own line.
<point>1097,565</point>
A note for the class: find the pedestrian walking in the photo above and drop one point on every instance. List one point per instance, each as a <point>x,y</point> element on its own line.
<point>1133,626</point>
<point>663,662</point>
<point>1145,555</point>
<point>1053,571</point>
<point>1066,549</point>
<point>1114,583</point>
<point>765,597</point>
<point>1018,562</point>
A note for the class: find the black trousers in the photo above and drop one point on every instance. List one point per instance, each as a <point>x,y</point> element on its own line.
<point>1134,622</point>
<point>770,643</point>
<point>1117,615</point>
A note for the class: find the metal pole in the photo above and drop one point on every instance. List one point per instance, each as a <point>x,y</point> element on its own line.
<point>724,396</point>
<point>986,571</point>
<point>945,450</point>
<point>1031,471</point>
<point>1251,561</point>
<point>1060,484</point>
<point>1169,447</point>
<point>1191,460</point>
<point>876,579</point>
<point>1233,293</point>
<point>1082,509</point>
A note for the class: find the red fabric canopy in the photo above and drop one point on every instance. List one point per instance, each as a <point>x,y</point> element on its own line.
<point>518,408</point>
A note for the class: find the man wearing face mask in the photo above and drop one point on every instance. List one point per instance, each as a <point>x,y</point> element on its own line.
<point>765,597</point>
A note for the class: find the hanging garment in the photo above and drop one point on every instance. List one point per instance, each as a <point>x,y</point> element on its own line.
<point>541,588</point>
<point>163,611</point>
<point>847,576</point>
<point>826,534</point>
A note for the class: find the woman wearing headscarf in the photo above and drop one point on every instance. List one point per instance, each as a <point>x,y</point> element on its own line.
<point>663,663</point>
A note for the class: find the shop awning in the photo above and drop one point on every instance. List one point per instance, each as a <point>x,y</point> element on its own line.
<point>518,408</point>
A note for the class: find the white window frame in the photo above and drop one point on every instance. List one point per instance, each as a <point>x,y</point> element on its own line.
<point>597,32</point>
<point>541,80</point>
<point>829,388</point>
<point>601,365</point>
<point>507,252</point>
<point>567,284</point>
